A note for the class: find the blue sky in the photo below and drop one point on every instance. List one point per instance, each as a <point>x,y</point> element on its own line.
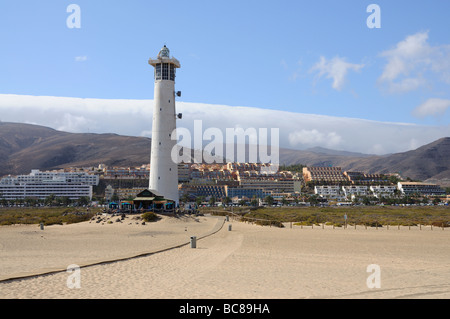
<point>313,57</point>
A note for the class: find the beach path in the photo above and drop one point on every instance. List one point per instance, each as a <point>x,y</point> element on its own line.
<point>267,262</point>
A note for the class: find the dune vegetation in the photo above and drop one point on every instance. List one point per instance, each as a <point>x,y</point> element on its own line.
<point>374,216</point>
<point>46,215</point>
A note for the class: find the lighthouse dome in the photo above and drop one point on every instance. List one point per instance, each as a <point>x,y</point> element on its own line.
<point>164,53</point>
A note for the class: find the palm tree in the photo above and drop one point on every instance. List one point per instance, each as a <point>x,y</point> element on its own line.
<point>49,200</point>
<point>199,200</point>
<point>226,200</point>
<point>269,200</point>
<point>29,201</point>
<point>84,200</point>
<point>242,202</point>
<point>315,199</point>
<point>185,198</point>
<point>66,201</point>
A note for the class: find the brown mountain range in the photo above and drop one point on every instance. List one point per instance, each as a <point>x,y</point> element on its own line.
<point>25,146</point>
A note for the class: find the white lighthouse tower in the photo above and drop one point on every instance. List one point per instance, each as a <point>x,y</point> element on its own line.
<point>164,169</point>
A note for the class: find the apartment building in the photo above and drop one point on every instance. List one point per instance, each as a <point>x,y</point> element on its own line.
<point>323,174</point>
<point>126,172</point>
<point>351,191</point>
<point>360,178</point>
<point>37,176</point>
<point>328,191</point>
<point>45,189</point>
<point>40,185</point>
<point>124,193</point>
<point>184,171</point>
<point>274,185</point>
<point>239,192</point>
<point>383,190</point>
<point>426,189</point>
<point>204,189</point>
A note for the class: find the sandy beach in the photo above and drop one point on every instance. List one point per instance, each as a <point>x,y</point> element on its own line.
<point>248,261</point>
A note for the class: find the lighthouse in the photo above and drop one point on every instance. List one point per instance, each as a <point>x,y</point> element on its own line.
<point>163,168</point>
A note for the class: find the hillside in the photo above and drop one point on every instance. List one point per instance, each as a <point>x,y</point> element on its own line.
<point>430,161</point>
<point>25,146</point>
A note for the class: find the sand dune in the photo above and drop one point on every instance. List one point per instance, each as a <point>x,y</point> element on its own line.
<point>247,262</point>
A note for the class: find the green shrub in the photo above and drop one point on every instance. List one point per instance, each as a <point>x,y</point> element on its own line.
<point>269,223</point>
<point>149,217</point>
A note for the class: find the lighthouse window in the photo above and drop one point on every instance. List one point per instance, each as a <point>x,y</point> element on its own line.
<point>165,71</point>
<point>158,72</point>
<point>172,72</point>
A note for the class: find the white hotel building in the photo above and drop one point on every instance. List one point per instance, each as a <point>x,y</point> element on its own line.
<point>383,190</point>
<point>328,191</point>
<point>351,191</point>
<point>40,185</point>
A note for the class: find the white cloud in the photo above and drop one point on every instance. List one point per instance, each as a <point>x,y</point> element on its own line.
<point>377,148</point>
<point>80,58</point>
<point>146,133</point>
<point>405,56</point>
<point>74,123</point>
<point>431,107</point>
<point>410,60</point>
<point>296,130</point>
<point>406,85</point>
<point>335,69</point>
<point>314,137</point>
